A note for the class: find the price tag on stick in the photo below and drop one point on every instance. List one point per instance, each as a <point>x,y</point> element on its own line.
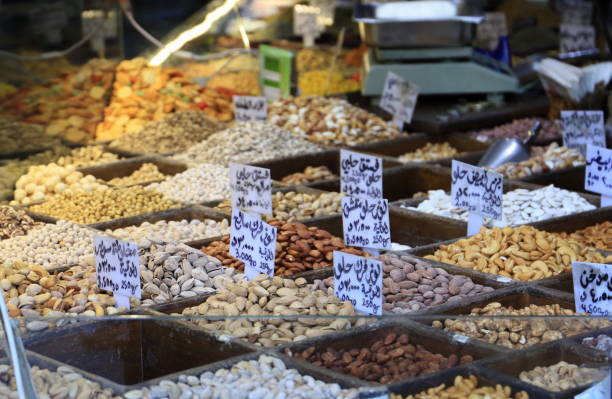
<point>583,127</point>
<point>365,222</point>
<point>574,38</point>
<point>250,108</point>
<point>251,188</point>
<point>359,281</point>
<point>360,174</point>
<point>253,241</point>
<point>399,98</point>
<point>592,288</point>
<point>118,268</point>
<point>598,173</point>
<point>478,191</point>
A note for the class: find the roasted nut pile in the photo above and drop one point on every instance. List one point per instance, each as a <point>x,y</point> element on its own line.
<point>291,206</point>
<point>33,292</point>
<point>251,142</point>
<point>561,376</point>
<point>519,333</point>
<point>50,245</point>
<point>91,155</point>
<point>327,82</point>
<point>430,152</point>
<point>23,137</point>
<point>62,383</point>
<point>278,296</point>
<point>542,160</point>
<point>465,388</point>
<point>518,128</point>
<point>44,181</point>
<point>147,173</point>
<point>310,175</point>
<point>602,342</point>
<point>519,206</point>
<point>14,222</point>
<point>390,359</point>
<point>597,236</point>
<point>181,231</point>
<point>176,132</point>
<point>298,248</point>
<point>96,207</point>
<point>266,377</point>
<point>174,271</point>
<point>409,284</point>
<point>15,168</point>
<point>329,121</point>
<point>203,183</point>
<point>521,253</point>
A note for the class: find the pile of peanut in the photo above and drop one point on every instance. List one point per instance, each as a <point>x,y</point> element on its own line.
<point>598,236</point>
<point>520,253</point>
<point>520,332</point>
<point>310,175</point>
<point>299,248</point>
<point>561,376</point>
<point>390,359</point>
<point>466,388</point>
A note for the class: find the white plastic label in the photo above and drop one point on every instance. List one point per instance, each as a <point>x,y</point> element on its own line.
<point>359,281</point>
<point>592,288</point>
<point>117,266</point>
<point>598,174</point>
<point>251,188</point>
<point>253,242</point>
<point>250,108</point>
<point>600,390</point>
<point>399,97</point>
<point>575,12</point>
<point>477,190</point>
<point>576,38</point>
<point>583,127</point>
<point>360,174</point>
<point>365,222</point>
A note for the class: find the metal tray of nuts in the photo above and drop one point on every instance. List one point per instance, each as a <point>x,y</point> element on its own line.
<point>362,339</point>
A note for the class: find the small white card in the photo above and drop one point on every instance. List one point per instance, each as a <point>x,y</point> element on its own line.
<point>253,242</point>
<point>250,108</point>
<point>251,188</point>
<point>361,174</point>
<point>359,281</point>
<point>365,222</point>
<point>576,38</point>
<point>575,12</point>
<point>118,268</point>
<point>477,190</point>
<point>598,173</point>
<point>399,97</point>
<point>592,288</point>
<point>583,127</point>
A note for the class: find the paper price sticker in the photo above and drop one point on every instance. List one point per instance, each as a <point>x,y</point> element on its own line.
<point>253,242</point>
<point>359,281</point>
<point>399,97</point>
<point>477,190</point>
<point>250,108</point>
<point>583,127</point>
<point>306,20</point>
<point>576,38</point>
<point>118,268</point>
<point>598,174</point>
<point>360,174</point>
<point>251,188</point>
<point>592,288</point>
<point>365,222</point>
<point>576,12</point>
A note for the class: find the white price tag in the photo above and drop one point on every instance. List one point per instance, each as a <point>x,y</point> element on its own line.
<point>492,28</point>
<point>576,38</point>
<point>365,222</point>
<point>251,188</point>
<point>359,281</point>
<point>250,108</point>
<point>478,191</point>
<point>574,12</point>
<point>306,23</point>
<point>583,127</point>
<point>592,288</point>
<point>118,268</point>
<point>360,174</point>
<point>399,97</point>
<point>253,242</point>
<point>598,174</point>
<point>600,390</point>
